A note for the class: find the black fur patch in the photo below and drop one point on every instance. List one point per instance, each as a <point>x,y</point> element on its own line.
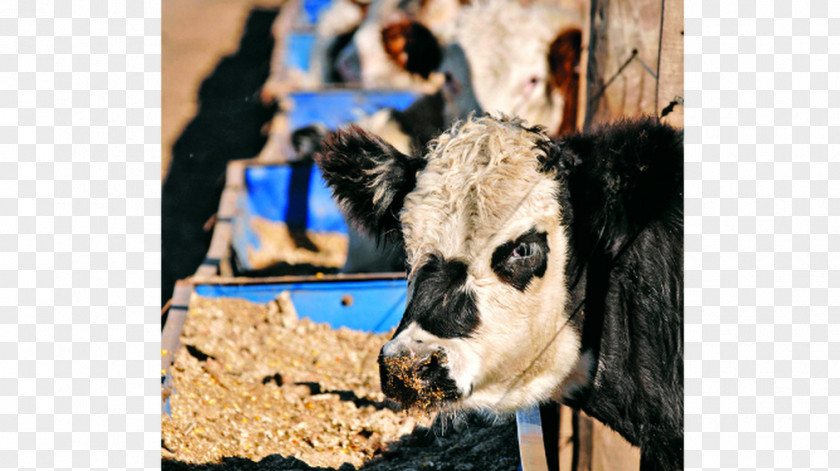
<point>439,302</point>
<point>518,271</point>
<point>621,190</point>
<point>618,178</point>
<point>309,140</point>
<point>355,165</point>
<point>332,73</point>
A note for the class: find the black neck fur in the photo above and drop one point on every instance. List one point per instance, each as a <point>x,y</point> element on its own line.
<point>621,189</point>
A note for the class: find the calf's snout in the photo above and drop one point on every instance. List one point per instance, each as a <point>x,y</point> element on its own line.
<point>416,380</point>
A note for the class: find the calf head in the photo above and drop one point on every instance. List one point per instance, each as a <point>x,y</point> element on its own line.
<point>482,226</point>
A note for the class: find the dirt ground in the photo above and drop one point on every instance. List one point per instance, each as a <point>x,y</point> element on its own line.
<point>196,34</point>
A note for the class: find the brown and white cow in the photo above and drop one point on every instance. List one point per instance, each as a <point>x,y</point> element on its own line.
<point>523,58</point>
<point>396,46</point>
<point>538,269</point>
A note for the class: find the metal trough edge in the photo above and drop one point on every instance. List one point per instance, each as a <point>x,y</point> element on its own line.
<point>530,436</point>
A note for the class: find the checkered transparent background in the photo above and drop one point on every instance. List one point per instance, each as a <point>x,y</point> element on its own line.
<point>762,234</point>
<point>80,234</point>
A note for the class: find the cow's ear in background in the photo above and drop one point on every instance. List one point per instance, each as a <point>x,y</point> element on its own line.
<point>564,67</point>
<point>369,179</point>
<point>412,46</point>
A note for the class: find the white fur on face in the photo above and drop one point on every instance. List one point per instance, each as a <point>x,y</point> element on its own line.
<point>507,47</point>
<point>480,189</point>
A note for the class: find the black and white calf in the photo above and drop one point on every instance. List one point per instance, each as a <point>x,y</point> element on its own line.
<point>538,269</point>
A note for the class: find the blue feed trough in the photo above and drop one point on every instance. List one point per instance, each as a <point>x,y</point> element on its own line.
<point>298,48</point>
<point>360,302</point>
<point>334,108</point>
<point>295,194</point>
<point>370,305</point>
<point>287,223</point>
<point>312,9</point>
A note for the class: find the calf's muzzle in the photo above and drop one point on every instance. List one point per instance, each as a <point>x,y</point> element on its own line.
<point>417,381</point>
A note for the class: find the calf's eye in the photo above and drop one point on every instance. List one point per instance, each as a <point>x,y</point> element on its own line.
<point>518,261</point>
<point>523,250</point>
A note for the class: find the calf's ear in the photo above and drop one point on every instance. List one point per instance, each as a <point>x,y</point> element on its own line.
<point>564,57</point>
<point>369,179</point>
<point>563,65</point>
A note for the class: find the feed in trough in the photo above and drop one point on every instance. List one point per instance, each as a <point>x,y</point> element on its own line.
<point>253,380</point>
<point>255,388</point>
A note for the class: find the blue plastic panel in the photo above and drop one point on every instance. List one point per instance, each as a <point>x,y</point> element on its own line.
<point>294,194</point>
<point>377,305</point>
<point>312,10</point>
<point>298,50</point>
<point>335,108</point>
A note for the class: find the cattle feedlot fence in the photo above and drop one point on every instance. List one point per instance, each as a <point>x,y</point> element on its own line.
<point>631,65</point>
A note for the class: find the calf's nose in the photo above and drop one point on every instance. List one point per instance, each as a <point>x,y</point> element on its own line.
<point>415,381</point>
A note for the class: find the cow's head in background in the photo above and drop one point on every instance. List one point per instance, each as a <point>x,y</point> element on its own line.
<point>524,60</point>
<point>483,230</point>
<point>521,61</point>
<point>397,45</point>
